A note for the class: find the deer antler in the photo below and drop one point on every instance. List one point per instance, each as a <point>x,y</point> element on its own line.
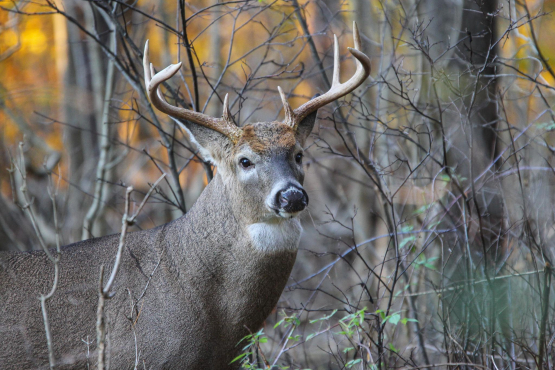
<point>337,90</point>
<point>223,125</point>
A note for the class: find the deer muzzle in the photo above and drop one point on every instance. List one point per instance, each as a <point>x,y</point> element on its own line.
<point>292,200</point>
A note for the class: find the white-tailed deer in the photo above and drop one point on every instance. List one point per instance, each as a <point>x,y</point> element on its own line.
<point>188,291</point>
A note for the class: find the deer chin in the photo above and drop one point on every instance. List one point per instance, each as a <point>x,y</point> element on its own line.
<point>281,235</point>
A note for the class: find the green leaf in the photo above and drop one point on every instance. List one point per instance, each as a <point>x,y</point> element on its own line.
<point>348,349</point>
<point>240,357</point>
<point>348,317</point>
<point>394,319</point>
<point>546,125</point>
<point>391,347</point>
<point>353,363</point>
<point>405,241</point>
<point>247,346</point>
<point>348,333</point>
<point>310,337</point>
<point>407,228</point>
<point>422,261</point>
<point>324,318</point>
<point>247,337</point>
<point>289,320</point>
<point>424,208</point>
<point>361,314</point>
<point>279,323</point>
<point>406,319</point>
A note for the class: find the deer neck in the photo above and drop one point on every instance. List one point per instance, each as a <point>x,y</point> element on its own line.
<point>213,248</point>
<point>220,221</point>
<point>231,261</point>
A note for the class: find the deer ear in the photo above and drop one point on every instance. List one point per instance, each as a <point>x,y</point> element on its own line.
<point>212,145</point>
<point>306,125</point>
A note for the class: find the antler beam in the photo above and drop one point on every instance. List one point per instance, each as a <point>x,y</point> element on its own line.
<point>223,125</point>
<point>337,90</point>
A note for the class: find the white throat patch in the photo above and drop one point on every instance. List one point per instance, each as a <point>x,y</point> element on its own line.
<point>283,235</point>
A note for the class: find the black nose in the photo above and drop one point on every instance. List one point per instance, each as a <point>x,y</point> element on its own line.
<point>292,199</point>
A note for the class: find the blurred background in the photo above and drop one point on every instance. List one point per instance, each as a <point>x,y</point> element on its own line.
<point>429,238</point>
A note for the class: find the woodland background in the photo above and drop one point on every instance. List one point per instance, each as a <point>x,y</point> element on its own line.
<point>429,238</point>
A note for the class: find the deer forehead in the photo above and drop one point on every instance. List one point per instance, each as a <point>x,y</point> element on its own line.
<point>265,137</point>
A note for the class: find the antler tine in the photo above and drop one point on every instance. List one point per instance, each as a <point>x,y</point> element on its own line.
<point>226,115</point>
<point>356,36</point>
<point>336,63</point>
<point>223,125</point>
<point>289,114</point>
<point>146,64</point>
<point>337,89</point>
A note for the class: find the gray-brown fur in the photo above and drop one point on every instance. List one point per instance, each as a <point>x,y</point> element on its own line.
<point>206,283</point>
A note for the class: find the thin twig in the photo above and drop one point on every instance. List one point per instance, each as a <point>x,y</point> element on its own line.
<point>104,290</point>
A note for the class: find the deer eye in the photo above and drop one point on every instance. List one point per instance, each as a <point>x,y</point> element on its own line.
<point>299,158</point>
<point>245,163</point>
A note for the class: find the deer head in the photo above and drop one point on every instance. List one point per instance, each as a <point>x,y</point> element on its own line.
<point>260,163</point>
